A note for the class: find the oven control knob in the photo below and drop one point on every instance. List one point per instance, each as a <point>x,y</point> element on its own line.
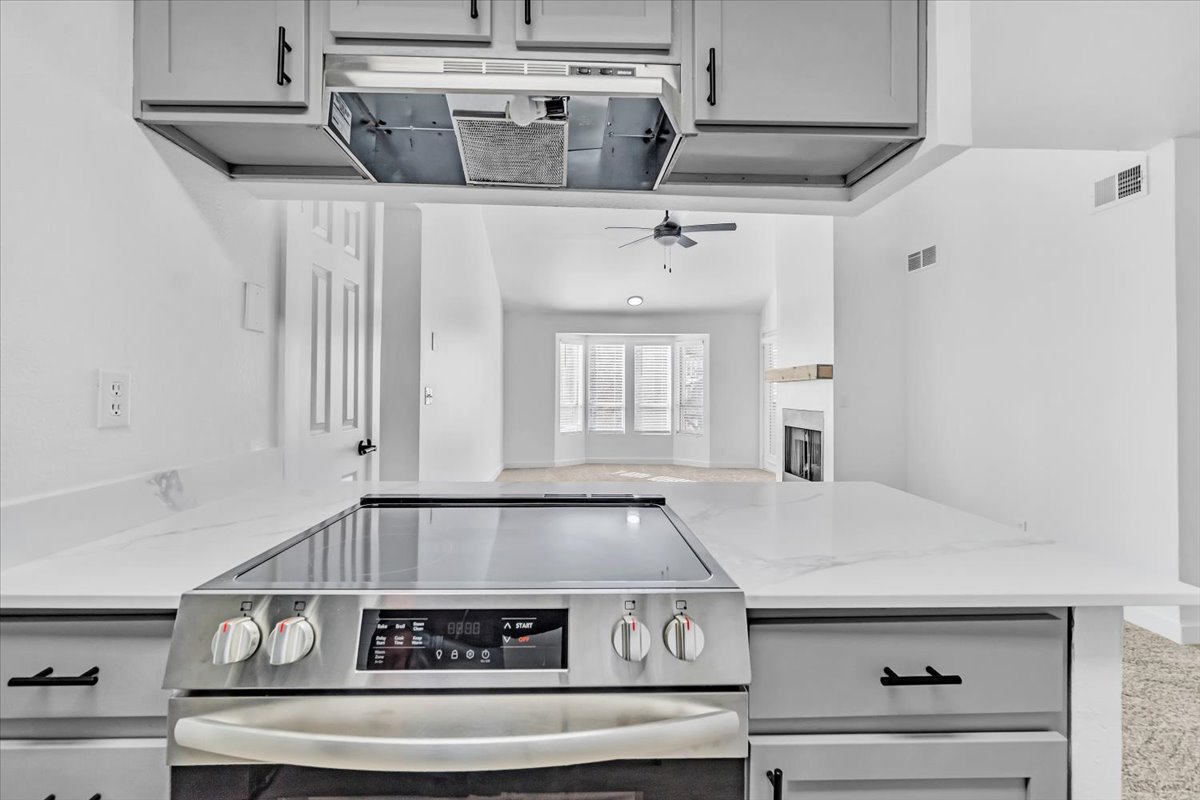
<point>684,638</point>
<point>290,640</point>
<point>235,640</point>
<point>631,640</point>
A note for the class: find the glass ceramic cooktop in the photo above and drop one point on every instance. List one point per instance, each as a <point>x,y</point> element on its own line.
<point>483,546</point>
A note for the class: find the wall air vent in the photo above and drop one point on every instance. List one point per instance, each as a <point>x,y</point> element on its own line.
<point>922,258</point>
<point>1128,184</point>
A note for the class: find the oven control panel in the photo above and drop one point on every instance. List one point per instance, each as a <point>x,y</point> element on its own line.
<point>393,640</point>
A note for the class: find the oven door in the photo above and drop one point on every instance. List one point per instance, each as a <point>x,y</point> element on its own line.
<point>585,745</point>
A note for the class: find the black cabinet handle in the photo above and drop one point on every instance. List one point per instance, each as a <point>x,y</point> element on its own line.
<point>474,9</point>
<point>47,678</point>
<point>775,778</point>
<point>96,796</point>
<point>528,12</point>
<point>712,76</point>
<point>281,77</point>
<point>933,678</point>
<point>366,446</point>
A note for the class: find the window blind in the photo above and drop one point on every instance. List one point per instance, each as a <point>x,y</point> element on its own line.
<point>570,387</point>
<point>652,388</point>
<point>606,388</point>
<point>691,387</point>
<point>770,357</point>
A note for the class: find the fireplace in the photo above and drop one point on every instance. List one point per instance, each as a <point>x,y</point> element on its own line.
<point>803,455</point>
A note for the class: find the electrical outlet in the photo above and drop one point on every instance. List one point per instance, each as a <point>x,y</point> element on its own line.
<point>113,399</point>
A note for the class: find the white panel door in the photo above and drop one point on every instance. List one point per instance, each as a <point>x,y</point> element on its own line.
<point>614,24</point>
<point>223,52</point>
<point>442,20</point>
<point>330,336</point>
<point>817,62</point>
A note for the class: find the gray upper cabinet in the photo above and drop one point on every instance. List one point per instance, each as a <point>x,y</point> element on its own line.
<point>608,24</point>
<point>223,53</point>
<point>818,62</point>
<point>420,20</point>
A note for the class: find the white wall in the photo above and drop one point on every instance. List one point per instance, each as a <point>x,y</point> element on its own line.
<point>117,251</point>
<point>1031,374</point>
<point>530,359</point>
<point>801,314</point>
<point>400,345</point>
<point>462,430</point>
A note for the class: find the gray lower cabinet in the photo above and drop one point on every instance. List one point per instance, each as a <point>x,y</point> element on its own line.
<point>609,24</point>
<point>926,766</point>
<point>71,769</point>
<point>203,53</point>
<point>819,62</point>
<point>420,20</point>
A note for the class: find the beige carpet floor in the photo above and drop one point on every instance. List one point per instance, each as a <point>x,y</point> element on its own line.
<point>1161,724</point>
<point>635,472</point>
<point>1161,700</point>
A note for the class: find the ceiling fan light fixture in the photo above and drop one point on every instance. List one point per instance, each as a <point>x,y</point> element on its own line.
<point>635,301</point>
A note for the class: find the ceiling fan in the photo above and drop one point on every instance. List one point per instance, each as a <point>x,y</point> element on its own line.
<point>669,232</point>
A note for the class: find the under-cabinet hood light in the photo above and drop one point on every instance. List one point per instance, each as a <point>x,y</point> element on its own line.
<point>635,301</point>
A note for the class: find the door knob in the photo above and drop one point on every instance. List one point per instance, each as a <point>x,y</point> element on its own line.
<point>366,446</point>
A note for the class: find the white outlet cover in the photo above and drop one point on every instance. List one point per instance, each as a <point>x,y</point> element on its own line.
<point>113,399</point>
<point>254,308</point>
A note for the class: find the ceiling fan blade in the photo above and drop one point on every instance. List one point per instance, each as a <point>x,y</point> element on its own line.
<point>635,241</point>
<point>686,242</point>
<point>625,228</point>
<point>716,226</point>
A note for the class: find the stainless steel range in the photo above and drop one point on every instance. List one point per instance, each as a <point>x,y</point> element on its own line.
<point>462,646</point>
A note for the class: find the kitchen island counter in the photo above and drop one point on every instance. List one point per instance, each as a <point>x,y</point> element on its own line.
<point>788,545</point>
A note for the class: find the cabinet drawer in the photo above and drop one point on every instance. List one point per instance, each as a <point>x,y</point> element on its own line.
<point>832,668</point>
<point>131,655</point>
<point>908,766</point>
<point>114,769</point>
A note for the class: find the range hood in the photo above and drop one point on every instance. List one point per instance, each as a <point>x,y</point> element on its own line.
<point>504,122</point>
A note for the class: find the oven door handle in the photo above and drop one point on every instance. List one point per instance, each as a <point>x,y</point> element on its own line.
<point>307,736</point>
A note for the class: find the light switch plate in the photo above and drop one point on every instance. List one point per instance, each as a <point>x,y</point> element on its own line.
<point>254,308</point>
<point>113,399</point>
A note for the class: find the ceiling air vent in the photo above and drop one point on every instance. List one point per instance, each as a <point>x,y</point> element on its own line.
<point>1128,184</point>
<point>922,258</point>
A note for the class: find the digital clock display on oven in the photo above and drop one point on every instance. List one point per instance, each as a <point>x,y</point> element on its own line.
<point>458,639</point>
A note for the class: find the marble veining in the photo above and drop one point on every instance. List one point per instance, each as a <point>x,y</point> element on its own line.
<point>788,545</point>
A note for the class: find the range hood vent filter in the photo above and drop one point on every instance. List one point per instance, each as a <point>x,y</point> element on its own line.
<point>496,151</point>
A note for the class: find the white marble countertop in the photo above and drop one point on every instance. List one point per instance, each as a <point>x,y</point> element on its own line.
<point>788,545</point>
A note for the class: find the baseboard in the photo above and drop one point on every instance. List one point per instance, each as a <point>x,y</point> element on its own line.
<point>1179,624</point>
<point>44,524</point>
<point>650,462</point>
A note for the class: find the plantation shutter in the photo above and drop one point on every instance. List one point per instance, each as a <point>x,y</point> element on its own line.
<point>770,357</point>
<point>606,388</point>
<point>570,387</point>
<point>691,387</point>
<point>652,388</point>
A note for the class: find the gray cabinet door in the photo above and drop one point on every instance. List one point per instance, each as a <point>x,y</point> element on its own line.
<point>613,24</point>
<point>921,766</point>
<point>222,52</point>
<point>434,20</point>
<point>819,62</point>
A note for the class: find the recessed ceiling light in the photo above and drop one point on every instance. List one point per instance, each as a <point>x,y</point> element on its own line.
<point>636,300</point>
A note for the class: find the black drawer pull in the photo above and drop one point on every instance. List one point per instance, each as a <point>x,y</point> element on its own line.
<point>281,77</point>
<point>96,796</point>
<point>775,778</point>
<point>47,678</point>
<point>934,678</point>
<point>528,12</point>
<point>712,76</point>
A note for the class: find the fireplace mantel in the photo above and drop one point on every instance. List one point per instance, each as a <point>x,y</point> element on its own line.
<point>804,372</point>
